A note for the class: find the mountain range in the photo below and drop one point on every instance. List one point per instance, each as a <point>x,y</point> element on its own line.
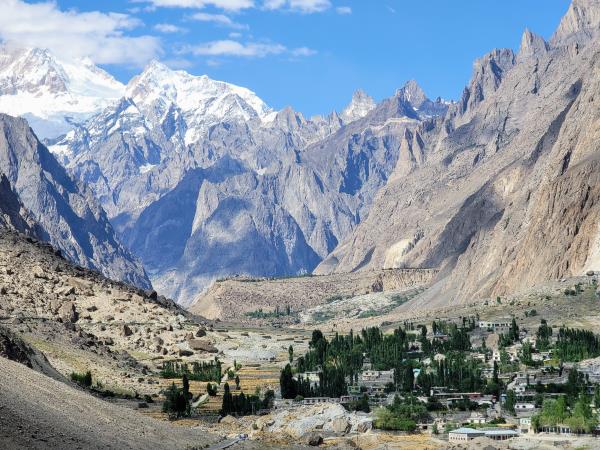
<point>201,179</point>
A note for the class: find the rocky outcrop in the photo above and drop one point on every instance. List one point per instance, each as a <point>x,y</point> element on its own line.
<point>65,212</point>
<point>580,23</point>
<point>13,214</point>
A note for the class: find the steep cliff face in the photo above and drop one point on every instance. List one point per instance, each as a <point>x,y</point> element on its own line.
<point>507,193</point>
<point>13,215</point>
<point>39,192</point>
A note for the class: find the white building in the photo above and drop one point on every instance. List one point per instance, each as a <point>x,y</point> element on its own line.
<point>495,325</point>
<point>524,406</point>
<point>464,434</point>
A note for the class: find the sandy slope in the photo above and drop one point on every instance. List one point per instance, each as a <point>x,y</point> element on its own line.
<point>39,412</point>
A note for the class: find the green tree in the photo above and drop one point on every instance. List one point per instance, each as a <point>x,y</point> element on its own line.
<point>227,406</point>
<point>175,404</point>
<point>291,353</point>
<point>186,394</point>
<point>287,383</point>
<point>510,402</point>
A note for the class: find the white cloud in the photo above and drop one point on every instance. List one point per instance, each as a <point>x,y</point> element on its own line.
<point>219,19</point>
<point>168,28</point>
<point>303,51</point>
<point>71,34</point>
<point>234,48</point>
<point>343,10</point>
<point>228,5</point>
<point>303,6</point>
<point>235,35</point>
<point>247,50</point>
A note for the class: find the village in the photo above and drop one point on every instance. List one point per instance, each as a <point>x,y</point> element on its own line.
<point>523,381</point>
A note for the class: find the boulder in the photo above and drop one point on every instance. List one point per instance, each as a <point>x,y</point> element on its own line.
<point>202,346</point>
<point>313,439</point>
<point>68,313</point>
<point>365,426</point>
<point>200,332</point>
<point>38,272</point>
<point>126,331</point>
<point>340,425</point>
<point>184,352</point>
<point>64,290</point>
<point>228,420</point>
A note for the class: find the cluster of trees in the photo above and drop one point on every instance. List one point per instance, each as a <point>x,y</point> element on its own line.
<point>455,338</point>
<point>511,337</point>
<point>260,314</point>
<point>177,400</point>
<point>455,372</point>
<point>242,404</point>
<point>576,345</point>
<point>555,412</point>
<point>401,415</point>
<point>340,360</point>
<point>199,371</point>
<point>332,383</point>
<point>544,333</point>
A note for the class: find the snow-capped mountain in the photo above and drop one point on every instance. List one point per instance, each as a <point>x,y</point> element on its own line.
<point>52,93</point>
<point>361,105</point>
<point>202,101</point>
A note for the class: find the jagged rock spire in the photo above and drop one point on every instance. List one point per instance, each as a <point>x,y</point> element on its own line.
<point>581,21</point>
<point>359,107</point>
<point>532,44</point>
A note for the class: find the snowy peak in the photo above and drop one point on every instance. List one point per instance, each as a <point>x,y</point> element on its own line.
<point>413,93</point>
<point>361,105</point>
<point>189,92</point>
<point>51,92</point>
<point>32,71</point>
<point>202,100</point>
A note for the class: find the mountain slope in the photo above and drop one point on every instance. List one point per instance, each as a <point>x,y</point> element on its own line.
<point>51,93</point>
<point>65,213</point>
<point>507,195</point>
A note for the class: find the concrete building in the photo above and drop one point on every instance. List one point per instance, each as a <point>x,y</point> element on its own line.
<point>500,434</point>
<point>524,406</point>
<point>495,325</point>
<point>464,434</point>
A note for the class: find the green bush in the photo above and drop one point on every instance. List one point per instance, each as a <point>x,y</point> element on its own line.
<point>82,379</point>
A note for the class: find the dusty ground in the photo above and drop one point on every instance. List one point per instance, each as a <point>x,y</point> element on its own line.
<point>39,412</point>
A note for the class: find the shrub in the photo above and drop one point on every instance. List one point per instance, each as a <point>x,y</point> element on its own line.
<point>82,379</point>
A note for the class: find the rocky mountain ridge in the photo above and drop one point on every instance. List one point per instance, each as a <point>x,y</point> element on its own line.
<point>39,198</point>
<point>506,196</point>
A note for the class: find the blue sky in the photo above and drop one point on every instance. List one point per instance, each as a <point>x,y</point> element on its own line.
<point>310,54</point>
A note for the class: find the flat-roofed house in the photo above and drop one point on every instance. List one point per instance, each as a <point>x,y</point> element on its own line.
<point>464,434</point>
